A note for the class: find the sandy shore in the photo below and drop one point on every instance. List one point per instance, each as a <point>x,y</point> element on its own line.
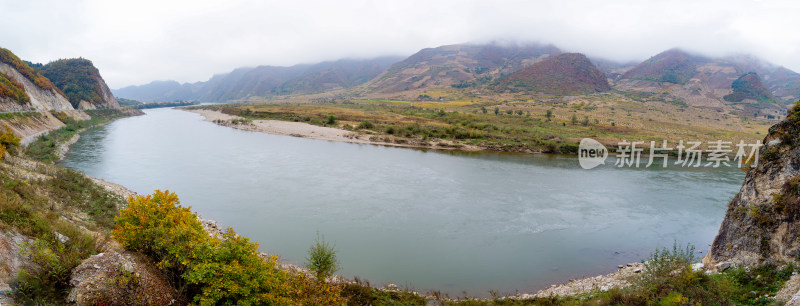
<point>305,130</point>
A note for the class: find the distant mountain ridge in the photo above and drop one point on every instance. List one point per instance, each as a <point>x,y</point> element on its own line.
<point>463,65</point>
<point>701,81</point>
<point>264,81</point>
<point>674,76</point>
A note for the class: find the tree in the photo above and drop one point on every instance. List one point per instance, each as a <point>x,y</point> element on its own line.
<point>549,114</point>
<point>496,110</point>
<point>322,259</point>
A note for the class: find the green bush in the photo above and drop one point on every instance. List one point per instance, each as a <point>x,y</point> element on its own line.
<point>366,124</point>
<point>25,206</point>
<point>321,259</point>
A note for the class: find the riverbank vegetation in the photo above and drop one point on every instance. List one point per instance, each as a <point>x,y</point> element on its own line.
<point>522,124</point>
<point>228,269</point>
<point>45,148</point>
<point>53,211</point>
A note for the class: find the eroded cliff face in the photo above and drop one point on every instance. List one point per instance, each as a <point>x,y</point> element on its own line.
<point>109,101</point>
<point>40,99</point>
<point>762,223</point>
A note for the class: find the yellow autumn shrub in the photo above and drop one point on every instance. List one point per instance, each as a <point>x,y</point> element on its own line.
<point>211,271</point>
<point>7,140</point>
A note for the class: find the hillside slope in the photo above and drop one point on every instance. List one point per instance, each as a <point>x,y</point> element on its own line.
<point>750,86</point>
<point>460,66</point>
<point>16,77</point>
<point>563,74</point>
<point>704,81</point>
<point>671,66</point>
<point>81,82</point>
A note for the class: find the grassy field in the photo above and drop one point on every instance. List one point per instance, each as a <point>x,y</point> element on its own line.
<point>511,122</point>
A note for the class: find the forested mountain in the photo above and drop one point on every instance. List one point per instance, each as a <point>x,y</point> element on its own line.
<point>81,82</point>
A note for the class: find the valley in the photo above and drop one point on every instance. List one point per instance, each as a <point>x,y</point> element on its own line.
<point>521,98</point>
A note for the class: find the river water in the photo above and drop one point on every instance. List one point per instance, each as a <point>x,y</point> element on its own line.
<point>424,219</point>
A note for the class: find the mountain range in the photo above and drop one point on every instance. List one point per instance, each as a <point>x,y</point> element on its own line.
<point>264,81</point>
<point>537,69</point>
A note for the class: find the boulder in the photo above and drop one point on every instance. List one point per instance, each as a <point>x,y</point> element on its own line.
<point>119,278</point>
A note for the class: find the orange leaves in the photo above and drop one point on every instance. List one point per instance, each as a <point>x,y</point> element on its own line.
<point>7,140</point>
<point>10,88</point>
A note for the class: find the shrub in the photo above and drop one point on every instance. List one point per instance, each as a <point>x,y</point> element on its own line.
<point>206,269</point>
<point>7,141</point>
<point>366,124</point>
<point>232,272</point>
<point>331,119</point>
<point>321,259</point>
<point>159,227</point>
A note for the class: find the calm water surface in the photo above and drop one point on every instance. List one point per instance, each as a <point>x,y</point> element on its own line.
<point>449,221</point>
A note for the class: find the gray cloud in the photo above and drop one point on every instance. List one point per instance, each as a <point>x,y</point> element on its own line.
<point>134,42</point>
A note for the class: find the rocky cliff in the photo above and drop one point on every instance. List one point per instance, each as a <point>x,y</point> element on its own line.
<point>42,94</point>
<point>39,99</point>
<point>762,221</point>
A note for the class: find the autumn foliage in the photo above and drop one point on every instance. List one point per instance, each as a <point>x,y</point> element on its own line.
<point>211,270</point>
<point>7,140</point>
<point>9,58</point>
<point>10,88</point>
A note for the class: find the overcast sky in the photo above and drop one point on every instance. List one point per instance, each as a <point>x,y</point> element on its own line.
<point>135,42</point>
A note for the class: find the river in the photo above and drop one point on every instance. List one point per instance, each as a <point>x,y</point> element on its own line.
<point>424,219</point>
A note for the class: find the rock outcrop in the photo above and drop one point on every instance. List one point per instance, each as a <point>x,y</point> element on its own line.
<point>119,278</point>
<point>12,260</point>
<point>40,99</point>
<point>762,221</point>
